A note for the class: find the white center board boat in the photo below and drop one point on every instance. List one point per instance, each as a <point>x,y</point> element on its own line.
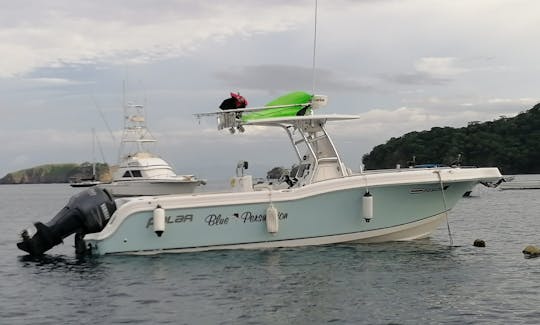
<point>324,203</point>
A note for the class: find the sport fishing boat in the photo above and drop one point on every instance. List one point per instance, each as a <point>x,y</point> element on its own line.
<point>323,203</point>
<point>141,172</point>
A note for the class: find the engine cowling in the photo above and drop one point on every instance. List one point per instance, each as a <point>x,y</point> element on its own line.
<point>86,212</point>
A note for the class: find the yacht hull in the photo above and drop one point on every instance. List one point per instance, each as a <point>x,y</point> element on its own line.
<point>406,205</point>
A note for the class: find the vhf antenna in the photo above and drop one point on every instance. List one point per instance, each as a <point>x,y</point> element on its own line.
<point>314,51</point>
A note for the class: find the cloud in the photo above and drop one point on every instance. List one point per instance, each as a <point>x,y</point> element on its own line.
<point>49,82</point>
<point>481,105</point>
<point>130,32</point>
<point>377,125</point>
<point>439,66</point>
<point>417,78</point>
<point>514,101</point>
<point>430,71</point>
<point>279,78</point>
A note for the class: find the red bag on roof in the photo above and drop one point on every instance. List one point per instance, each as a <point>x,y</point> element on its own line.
<point>236,101</point>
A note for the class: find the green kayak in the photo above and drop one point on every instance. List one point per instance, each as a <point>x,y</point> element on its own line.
<point>297,97</point>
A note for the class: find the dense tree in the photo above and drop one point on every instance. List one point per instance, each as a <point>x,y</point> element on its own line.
<point>512,144</point>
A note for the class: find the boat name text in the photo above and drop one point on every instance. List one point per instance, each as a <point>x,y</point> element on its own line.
<point>171,219</point>
<point>216,220</point>
<point>249,216</point>
<point>245,217</point>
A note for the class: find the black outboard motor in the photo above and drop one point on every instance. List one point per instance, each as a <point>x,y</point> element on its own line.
<point>86,212</point>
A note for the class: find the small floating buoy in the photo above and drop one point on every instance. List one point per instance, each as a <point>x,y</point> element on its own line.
<point>159,220</point>
<point>272,220</point>
<point>479,243</point>
<point>531,251</point>
<point>367,206</point>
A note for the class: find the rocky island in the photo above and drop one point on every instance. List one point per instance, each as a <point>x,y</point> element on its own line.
<point>56,173</point>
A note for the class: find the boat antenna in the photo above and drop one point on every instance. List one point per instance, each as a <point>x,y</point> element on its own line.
<point>314,51</point>
<point>100,149</point>
<point>123,94</point>
<point>93,152</point>
<point>102,115</point>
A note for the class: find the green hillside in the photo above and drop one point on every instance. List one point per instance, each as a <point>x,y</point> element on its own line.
<point>512,144</point>
<point>55,173</point>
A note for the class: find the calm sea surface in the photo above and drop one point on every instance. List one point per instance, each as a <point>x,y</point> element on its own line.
<point>419,282</point>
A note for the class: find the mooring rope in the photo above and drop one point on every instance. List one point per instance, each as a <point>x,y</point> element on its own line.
<point>438,172</point>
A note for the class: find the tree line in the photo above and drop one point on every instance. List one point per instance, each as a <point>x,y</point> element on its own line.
<point>512,144</point>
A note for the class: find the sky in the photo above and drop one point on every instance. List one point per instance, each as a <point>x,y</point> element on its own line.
<point>68,66</point>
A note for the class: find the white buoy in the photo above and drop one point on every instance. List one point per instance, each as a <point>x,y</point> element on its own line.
<point>272,220</point>
<point>367,206</point>
<point>159,220</point>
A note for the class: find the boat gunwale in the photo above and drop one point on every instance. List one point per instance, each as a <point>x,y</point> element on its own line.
<point>131,205</point>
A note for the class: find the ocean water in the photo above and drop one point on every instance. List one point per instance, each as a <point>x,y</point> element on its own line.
<point>418,282</point>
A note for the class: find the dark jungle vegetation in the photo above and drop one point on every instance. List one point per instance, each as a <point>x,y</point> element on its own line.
<point>512,144</point>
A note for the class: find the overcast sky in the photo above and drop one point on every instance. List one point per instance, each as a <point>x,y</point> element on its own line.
<point>403,65</point>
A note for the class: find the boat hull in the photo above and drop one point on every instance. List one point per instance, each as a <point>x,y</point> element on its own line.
<point>322,213</point>
<point>84,183</point>
<point>150,187</point>
<point>412,231</point>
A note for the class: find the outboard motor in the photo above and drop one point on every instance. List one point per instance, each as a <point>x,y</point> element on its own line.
<point>86,212</point>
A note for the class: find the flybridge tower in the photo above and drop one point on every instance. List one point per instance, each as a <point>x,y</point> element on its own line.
<point>135,135</point>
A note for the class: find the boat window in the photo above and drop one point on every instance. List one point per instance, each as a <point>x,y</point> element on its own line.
<point>127,174</point>
<point>136,173</point>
